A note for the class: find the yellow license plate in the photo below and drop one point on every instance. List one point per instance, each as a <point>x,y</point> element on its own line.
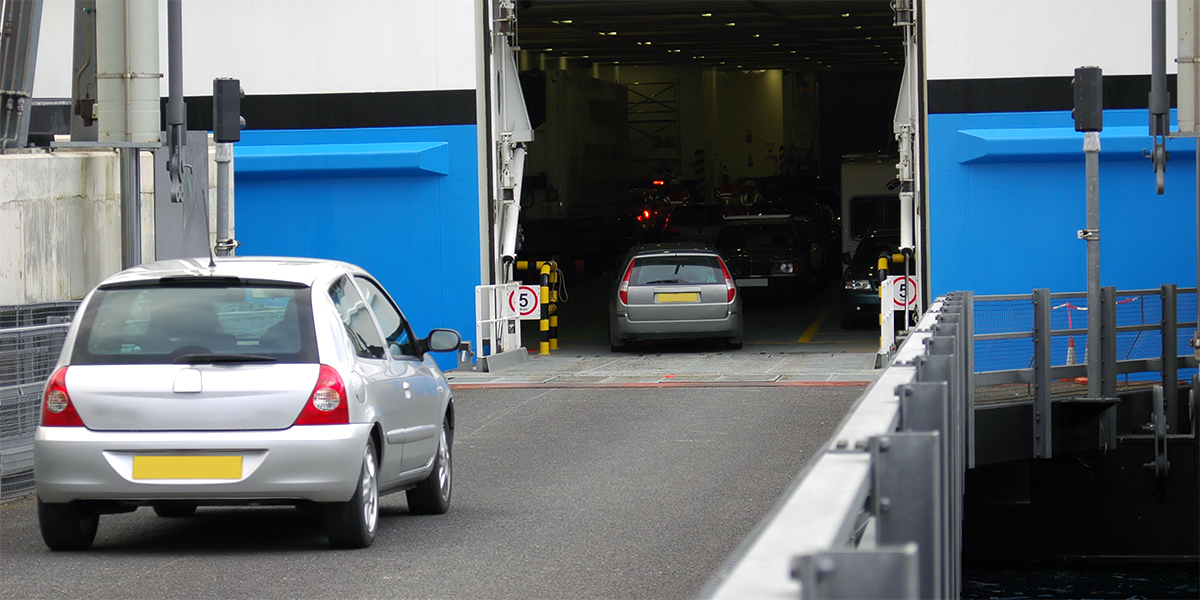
<point>678,297</point>
<point>187,467</point>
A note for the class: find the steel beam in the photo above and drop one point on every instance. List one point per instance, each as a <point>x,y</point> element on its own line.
<point>907,504</point>
<point>857,574</point>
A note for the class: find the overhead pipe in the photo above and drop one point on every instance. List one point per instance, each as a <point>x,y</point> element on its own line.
<point>18,57</point>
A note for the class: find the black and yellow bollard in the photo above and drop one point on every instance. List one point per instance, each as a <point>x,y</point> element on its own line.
<point>544,323</point>
<point>553,306</point>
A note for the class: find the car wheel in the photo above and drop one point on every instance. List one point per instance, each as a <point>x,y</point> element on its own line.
<point>67,526</point>
<point>352,524</point>
<point>175,510</point>
<point>615,343</point>
<point>735,342</point>
<point>432,496</point>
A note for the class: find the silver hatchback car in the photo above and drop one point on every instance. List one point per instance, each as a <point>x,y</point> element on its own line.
<point>674,291</point>
<point>252,381</point>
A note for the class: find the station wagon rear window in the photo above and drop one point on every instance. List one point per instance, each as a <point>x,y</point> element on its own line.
<point>676,269</point>
<point>158,324</point>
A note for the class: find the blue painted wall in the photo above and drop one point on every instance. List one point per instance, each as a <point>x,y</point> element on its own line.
<point>403,203</point>
<point>1007,196</point>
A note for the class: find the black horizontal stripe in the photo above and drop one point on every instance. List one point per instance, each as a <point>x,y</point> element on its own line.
<point>343,110</point>
<point>1024,94</point>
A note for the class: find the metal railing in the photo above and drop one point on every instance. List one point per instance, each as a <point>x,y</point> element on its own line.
<point>878,512</point>
<point>497,326</point>
<point>1026,352</point>
<point>28,352</point>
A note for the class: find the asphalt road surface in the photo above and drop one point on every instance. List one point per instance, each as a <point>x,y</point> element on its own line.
<point>559,493</point>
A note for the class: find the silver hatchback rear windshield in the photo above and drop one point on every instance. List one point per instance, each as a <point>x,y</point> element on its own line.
<point>161,323</point>
<point>676,269</point>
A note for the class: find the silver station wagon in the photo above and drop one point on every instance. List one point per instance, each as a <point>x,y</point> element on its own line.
<point>249,381</point>
<point>674,291</point>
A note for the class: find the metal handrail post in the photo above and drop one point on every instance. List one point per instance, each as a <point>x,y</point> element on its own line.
<point>1108,363</point>
<point>1042,431</point>
<point>1170,353</point>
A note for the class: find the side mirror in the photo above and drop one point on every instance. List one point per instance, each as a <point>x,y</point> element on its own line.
<point>846,257</point>
<point>442,340</point>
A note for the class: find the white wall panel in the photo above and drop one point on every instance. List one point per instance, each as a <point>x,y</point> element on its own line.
<point>973,39</point>
<point>297,46</point>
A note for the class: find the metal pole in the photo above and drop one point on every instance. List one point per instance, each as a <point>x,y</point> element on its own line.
<point>175,126</point>
<point>1091,149</point>
<point>225,245</point>
<point>131,208</point>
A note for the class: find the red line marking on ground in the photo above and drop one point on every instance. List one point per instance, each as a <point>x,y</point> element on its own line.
<point>657,384</point>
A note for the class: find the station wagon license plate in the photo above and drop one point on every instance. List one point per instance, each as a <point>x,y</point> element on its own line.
<point>187,467</point>
<point>677,297</point>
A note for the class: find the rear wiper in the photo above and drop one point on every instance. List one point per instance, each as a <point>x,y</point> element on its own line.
<point>662,281</point>
<point>209,358</point>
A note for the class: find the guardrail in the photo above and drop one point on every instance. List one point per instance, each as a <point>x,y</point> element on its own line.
<point>878,512</point>
<point>27,355</point>
<point>1026,352</point>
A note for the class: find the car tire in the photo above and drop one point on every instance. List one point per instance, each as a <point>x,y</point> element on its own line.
<point>175,510</point>
<point>614,343</point>
<point>67,526</point>
<point>432,496</point>
<point>735,342</point>
<point>353,524</point>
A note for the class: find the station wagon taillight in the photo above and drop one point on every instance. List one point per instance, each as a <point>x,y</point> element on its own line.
<point>327,403</point>
<point>623,291</point>
<point>730,289</point>
<point>57,410</point>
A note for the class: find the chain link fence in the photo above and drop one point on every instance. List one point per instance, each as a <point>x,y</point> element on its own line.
<point>31,338</point>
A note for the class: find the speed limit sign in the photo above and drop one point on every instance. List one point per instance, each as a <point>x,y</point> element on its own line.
<point>904,291</point>
<point>525,302</point>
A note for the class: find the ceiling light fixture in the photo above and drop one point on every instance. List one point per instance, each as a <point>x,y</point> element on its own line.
<point>567,22</point>
<point>731,24</point>
<point>775,45</point>
<point>706,15</point>
<point>858,26</point>
<point>845,15</point>
<point>757,35</point>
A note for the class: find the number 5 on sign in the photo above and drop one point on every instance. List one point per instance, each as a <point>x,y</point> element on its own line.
<point>525,302</point>
<point>904,292</point>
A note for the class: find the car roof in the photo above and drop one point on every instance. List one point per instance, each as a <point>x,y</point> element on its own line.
<point>674,248</point>
<point>758,219</point>
<point>306,271</point>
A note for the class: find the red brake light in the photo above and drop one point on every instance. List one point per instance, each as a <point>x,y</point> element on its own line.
<point>327,403</point>
<point>57,409</point>
<point>658,182</point>
<point>729,287</point>
<point>646,214</point>
<point>623,291</point>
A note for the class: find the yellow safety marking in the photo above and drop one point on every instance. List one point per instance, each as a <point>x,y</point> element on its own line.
<point>544,324</point>
<point>544,348</point>
<point>816,324</point>
<point>554,343</point>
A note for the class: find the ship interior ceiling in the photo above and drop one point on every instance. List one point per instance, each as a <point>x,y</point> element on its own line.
<point>773,93</point>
